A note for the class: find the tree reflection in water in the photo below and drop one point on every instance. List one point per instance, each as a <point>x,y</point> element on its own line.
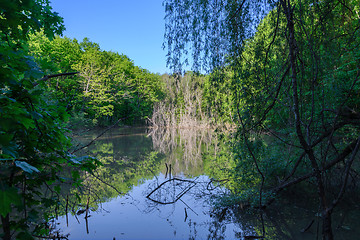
<point>167,166</point>
<point>162,183</point>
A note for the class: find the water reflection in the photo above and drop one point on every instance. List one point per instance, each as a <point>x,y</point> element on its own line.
<point>151,185</point>
<point>161,184</point>
<point>184,148</point>
<point>135,217</point>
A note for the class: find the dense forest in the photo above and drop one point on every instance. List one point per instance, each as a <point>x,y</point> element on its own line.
<point>278,79</point>
<point>105,86</point>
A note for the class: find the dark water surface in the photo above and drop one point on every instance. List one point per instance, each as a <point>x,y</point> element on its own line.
<point>159,186</point>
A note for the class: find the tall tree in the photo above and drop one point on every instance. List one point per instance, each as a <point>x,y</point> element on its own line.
<point>295,75</point>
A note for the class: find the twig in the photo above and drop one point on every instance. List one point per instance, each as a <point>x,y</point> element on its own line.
<point>92,141</point>
<point>66,210</point>
<point>177,196</point>
<point>188,207</point>
<point>167,169</point>
<point>185,215</point>
<point>87,208</point>
<point>98,178</point>
<point>308,226</point>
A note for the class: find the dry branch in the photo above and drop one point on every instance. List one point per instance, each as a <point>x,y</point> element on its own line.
<point>47,77</point>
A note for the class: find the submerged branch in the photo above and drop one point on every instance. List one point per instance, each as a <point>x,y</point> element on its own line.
<point>178,196</point>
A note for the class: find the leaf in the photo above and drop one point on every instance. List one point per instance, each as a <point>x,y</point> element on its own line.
<point>57,188</point>
<point>10,150</point>
<point>25,236</point>
<point>75,175</point>
<point>6,123</point>
<point>7,197</point>
<point>6,138</point>
<point>345,227</point>
<point>27,122</point>
<point>36,92</point>
<point>26,167</point>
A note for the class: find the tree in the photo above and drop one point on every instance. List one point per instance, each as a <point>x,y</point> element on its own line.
<point>183,103</point>
<point>296,77</point>
<point>33,142</point>
<point>108,86</point>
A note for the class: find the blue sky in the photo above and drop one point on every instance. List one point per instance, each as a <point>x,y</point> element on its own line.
<point>131,27</point>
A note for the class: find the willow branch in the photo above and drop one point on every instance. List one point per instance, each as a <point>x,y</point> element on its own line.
<point>347,172</point>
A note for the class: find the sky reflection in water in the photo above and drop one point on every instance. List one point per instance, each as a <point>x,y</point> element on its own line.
<point>133,216</point>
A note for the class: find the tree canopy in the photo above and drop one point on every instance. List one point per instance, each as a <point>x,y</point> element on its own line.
<point>108,87</point>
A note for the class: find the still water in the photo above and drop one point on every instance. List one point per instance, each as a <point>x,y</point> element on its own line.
<point>161,185</point>
<point>149,187</point>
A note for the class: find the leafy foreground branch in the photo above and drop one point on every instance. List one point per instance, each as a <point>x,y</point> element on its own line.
<point>34,151</point>
<point>33,138</point>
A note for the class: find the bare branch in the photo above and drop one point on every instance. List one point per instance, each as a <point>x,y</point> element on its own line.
<point>47,77</point>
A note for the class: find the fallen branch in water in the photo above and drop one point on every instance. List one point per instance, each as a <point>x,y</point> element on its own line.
<point>186,215</point>
<point>211,187</point>
<point>178,196</point>
<point>253,237</point>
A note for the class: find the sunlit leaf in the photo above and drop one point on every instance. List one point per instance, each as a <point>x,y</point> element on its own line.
<point>26,167</point>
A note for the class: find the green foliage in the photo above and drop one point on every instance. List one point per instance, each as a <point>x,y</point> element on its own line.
<point>18,18</point>
<point>108,87</point>
<point>125,161</point>
<point>33,141</point>
<point>220,97</point>
<point>296,78</point>
<point>9,197</point>
<point>265,101</point>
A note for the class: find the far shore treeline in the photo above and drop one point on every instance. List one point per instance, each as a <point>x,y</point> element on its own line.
<point>107,86</point>
<point>100,88</point>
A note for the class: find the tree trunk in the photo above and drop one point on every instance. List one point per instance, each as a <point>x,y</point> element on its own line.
<point>6,227</point>
<point>327,233</point>
<point>326,215</point>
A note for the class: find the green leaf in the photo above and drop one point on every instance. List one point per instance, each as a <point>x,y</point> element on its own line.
<point>27,122</point>
<point>75,175</point>
<point>10,151</point>
<point>57,188</point>
<point>26,167</point>
<point>25,236</point>
<point>6,123</point>
<point>7,197</point>
<point>6,138</point>
<point>36,115</point>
